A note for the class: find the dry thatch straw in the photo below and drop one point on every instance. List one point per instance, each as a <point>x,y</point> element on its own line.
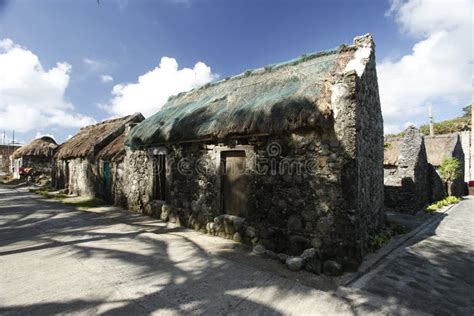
<point>268,100</point>
<point>392,151</point>
<point>114,151</point>
<point>93,138</point>
<point>42,147</point>
<point>440,147</point>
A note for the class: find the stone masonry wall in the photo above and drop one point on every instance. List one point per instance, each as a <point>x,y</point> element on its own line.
<point>296,199</point>
<point>82,177</point>
<point>408,187</point>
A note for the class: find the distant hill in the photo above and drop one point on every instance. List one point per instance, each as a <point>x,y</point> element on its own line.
<point>457,124</point>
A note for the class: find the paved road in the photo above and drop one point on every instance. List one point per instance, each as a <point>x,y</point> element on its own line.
<point>436,273</point>
<point>55,259</point>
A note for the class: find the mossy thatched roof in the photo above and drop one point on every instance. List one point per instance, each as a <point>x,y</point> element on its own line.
<point>268,100</point>
<point>90,140</point>
<point>42,147</point>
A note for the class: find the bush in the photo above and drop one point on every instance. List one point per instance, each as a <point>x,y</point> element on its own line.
<point>442,203</point>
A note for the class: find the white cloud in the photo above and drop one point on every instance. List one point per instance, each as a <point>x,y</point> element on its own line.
<point>41,134</point>
<point>153,88</point>
<point>439,67</point>
<point>106,78</point>
<point>32,97</point>
<point>94,65</point>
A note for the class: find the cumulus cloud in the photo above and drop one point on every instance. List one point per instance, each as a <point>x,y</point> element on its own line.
<point>106,78</point>
<point>437,70</point>
<point>154,87</point>
<point>32,97</point>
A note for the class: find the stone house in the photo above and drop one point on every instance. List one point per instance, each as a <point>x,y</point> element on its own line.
<point>410,182</point>
<point>5,158</point>
<point>288,156</point>
<point>439,147</point>
<point>89,163</point>
<point>37,155</point>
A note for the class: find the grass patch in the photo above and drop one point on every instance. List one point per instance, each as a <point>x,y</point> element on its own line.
<point>46,192</point>
<point>442,203</point>
<point>88,203</point>
<point>377,241</point>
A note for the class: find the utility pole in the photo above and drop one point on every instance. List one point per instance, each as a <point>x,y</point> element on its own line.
<point>430,114</point>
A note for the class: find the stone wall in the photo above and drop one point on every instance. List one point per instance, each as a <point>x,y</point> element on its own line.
<point>369,159</point>
<point>459,187</point>
<point>408,185</point>
<point>296,198</point>
<point>139,174</point>
<point>82,177</point>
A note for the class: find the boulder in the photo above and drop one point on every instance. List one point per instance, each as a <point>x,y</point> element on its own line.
<point>271,254</point>
<point>282,257</point>
<point>308,254</point>
<point>237,237</point>
<point>259,249</point>
<point>314,266</point>
<point>295,263</point>
<point>251,232</point>
<point>332,268</point>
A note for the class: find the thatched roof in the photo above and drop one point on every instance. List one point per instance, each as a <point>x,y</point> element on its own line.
<point>114,151</point>
<point>440,147</point>
<point>90,140</point>
<point>391,152</point>
<point>268,100</point>
<point>42,147</point>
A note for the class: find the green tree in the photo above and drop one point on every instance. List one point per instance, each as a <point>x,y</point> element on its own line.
<point>450,170</point>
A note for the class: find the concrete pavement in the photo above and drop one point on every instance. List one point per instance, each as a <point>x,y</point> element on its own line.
<point>436,272</point>
<point>56,259</point>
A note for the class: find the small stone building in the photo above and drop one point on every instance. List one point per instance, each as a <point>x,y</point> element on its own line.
<point>441,146</point>
<point>88,163</point>
<point>288,156</point>
<point>410,181</point>
<point>37,155</point>
<point>5,158</point>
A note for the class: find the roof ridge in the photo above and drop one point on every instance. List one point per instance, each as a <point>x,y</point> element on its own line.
<point>268,68</point>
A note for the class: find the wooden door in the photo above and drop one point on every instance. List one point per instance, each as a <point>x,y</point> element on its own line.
<point>234,183</point>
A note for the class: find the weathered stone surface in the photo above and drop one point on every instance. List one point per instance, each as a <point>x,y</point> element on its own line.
<point>271,254</point>
<point>294,223</point>
<point>237,237</point>
<point>407,177</point>
<point>313,265</point>
<point>282,257</point>
<point>251,232</point>
<point>259,249</point>
<point>308,254</point>
<point>332,268</point>
<point>295,263</point>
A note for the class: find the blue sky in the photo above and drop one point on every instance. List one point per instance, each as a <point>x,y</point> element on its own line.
<point>120,40</point>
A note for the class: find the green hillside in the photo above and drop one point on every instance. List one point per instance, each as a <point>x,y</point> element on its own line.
<point>457,124</point>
